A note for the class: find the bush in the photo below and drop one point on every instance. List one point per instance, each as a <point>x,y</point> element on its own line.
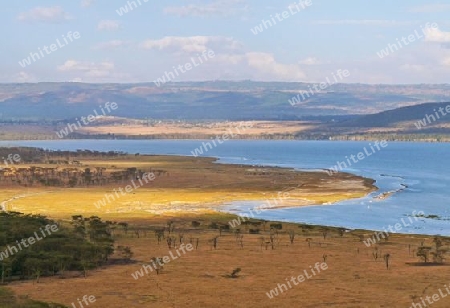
<point>66,249</point>
<point>214,225</point>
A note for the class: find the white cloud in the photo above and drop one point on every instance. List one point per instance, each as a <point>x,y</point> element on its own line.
<point>24,77</point>
<point>90,69</point>
<point>228,59</point>
<point>108,25</point>
<point>192,44</point>
<point>364,22</point>
<point>257,66</point>
<point>413,67</point>
<point>265,63</point>
<point>45,14</point>
<point>87,3</point>
<point>430,8</point>
<point>84,71</point>
<point>446,61</point>
<point>436,35</point>
<point>111,44</point>
<point>220,7</point>
<point>309,61</point>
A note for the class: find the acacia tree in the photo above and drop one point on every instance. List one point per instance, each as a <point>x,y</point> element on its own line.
<point>424,252</point>
<point>125,252</point>
<point>36,267</point>
<point>5,268</point>
<point>88,258</point>
<point>439,250</point>
<point>62,261</point>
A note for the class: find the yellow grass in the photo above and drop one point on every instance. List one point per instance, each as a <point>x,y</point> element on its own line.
<point>142,202</point>
<point>218,128</point>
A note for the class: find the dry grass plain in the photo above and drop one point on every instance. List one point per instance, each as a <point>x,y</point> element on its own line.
<point>162,129</point>
<point>190,189</point>
<point>198,278</point>
<point>256,128</point>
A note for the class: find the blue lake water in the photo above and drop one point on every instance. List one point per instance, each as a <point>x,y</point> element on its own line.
<point>422,167</point>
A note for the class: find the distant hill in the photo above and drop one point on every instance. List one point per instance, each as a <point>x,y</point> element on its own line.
<point>394,118</point>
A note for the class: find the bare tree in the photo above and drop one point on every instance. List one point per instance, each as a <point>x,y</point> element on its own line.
<point>309,240</point>
<point>160,235</point>
<point>191,241</point>
<point>375,254</point>
<point>158,264</point>
<point>170,226</point>
<point>291,236</point>
<point>325,233</point>
<point>386,259</point>
<point>213,242</point>
<point>171,242</point>
<point>181,237</point>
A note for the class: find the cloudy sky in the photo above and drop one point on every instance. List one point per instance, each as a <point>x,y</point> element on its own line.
<point>118,41</point>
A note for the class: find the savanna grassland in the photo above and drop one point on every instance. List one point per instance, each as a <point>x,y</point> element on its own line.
<point>179,206</point>
<point>356,275</point>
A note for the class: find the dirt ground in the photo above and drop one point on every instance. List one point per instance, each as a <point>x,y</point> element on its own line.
<point>198,278</point>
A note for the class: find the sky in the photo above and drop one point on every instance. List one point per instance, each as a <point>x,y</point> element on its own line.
<point>119,41</point>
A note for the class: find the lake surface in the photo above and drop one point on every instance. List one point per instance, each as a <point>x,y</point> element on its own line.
<point>423,168</point>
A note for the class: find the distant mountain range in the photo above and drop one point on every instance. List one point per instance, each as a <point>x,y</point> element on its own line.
<point>215,100</point>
